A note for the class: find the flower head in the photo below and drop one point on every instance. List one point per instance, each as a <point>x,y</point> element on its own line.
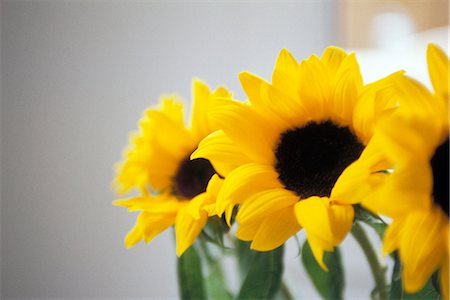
<point>283,152</point>
<point>174,188</point>
<point>414,144</point>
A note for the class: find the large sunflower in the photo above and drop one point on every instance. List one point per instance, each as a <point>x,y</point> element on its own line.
<point>414,144</point>
<point>283,151</point>
<point>174,189</point>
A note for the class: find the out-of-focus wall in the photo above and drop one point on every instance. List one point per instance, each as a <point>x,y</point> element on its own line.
<point>361,21</point>
<point>76,77</point>
<point>0,150</point>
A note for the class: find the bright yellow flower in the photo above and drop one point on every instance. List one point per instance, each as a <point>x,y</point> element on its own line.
<point>414,143</point>
<point>283,151</point>
<point>175,189</point>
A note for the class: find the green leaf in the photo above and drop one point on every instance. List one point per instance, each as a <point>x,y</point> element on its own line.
<point>190,277</point>
<point>245,255</point>
<point>216,286</point>
<point>435,280</point>
<point>396,291</point>
<point>329,284</point>
<point>215,282</point>
<point>428,292</point>
<point>263,279</point>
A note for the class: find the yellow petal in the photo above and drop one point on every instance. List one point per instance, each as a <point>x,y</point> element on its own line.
<point>210,210</point>
<point>172,107</point>
<point>223,154</point>
<point>134,203</point>
<point>272,103</point>
<point>141,158</point>
<point>200,105</point>
<point>326,224</point>
<point>345,90</point>
<point>134,236</point>
<point>361,179</point>
<point>438,68</point>
<point>153,154</point>
<point>213,188</point>
<point>352,186</point>
<point>244,182</point>
<point>408,136</point>
<point>314,216</point>
<point>221,93</point>
<point>285,75</point>
<point>265,203</point>
<point>341,221</point>
<point>286,65</point>
<point>154,224</point>
<point>408,188</point>
<point>317,251</point>
<point>276,229</point>
<point>247,231</point>
<point>392,236</point>
<point>417,101</point>
<point>287,112</point>
<point>187,229</point>
<point>422,248</point>
<point>253,134</point>
<point>196,205</point>
<point>148,226</point>
<point>376,99</point>
<point>203,101</point>
<point>166,132</point>
<point>332,57</point>
<point>161,204</point>
<point>314,87</point>
<point>251,85</point>
<point>228,214</point>
<point>411,182</point>
<point>206,201</point>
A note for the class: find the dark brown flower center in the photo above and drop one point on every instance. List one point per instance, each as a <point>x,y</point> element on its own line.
<point>310,159</point>
<point>192,177</point>
<point>440,167</point>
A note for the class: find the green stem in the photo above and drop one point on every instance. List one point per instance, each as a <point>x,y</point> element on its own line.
<point>377,267</point>
<point>286,292</point>
<point>205,250</point>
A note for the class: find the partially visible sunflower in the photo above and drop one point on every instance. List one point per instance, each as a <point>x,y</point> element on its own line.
<point>414,143</point>
<point>284,151</point>
<point>174,189</point>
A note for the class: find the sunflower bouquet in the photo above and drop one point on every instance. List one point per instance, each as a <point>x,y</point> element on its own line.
<point>314,150</point>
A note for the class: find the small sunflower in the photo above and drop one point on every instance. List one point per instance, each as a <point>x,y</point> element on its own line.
<point>283,152</point>
<point>174,189</point>
<point>414,143</point>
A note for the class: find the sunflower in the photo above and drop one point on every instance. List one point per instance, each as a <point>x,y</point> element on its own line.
<point>174,189</point>
<point>414,144</point>
<point>283,151</point>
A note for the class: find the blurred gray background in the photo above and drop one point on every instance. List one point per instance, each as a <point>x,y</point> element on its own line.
<point>75,78</point>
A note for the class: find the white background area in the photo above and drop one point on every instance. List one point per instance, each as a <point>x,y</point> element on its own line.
<point>76,76</point>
